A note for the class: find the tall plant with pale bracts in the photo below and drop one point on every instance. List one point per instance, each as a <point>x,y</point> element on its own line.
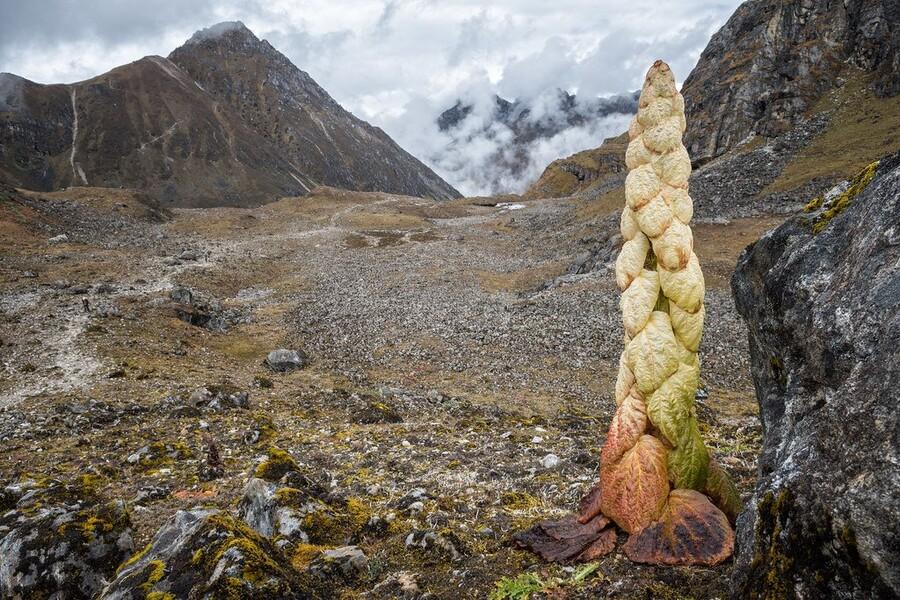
<point>656,475</point>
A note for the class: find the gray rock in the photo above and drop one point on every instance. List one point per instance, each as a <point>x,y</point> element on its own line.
<point>60,541</point>
<point>270,516</point>
<point>188,255</point>
<point>550,461</point>
<point>181,295</point>
<point>283,360</point>
<point>347,562</point>
<point>58,239</point>
<point>823,311</point>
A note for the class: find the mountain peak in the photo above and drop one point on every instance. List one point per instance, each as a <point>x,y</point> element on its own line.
<point>223,30</point>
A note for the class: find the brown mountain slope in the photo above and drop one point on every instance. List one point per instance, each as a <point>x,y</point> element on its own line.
<point>146,125</point>
<point>149,125</point>
<point>284,105</point>
<point>818,131</point>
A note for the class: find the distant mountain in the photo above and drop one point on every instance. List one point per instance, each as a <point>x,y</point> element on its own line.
<point>519,116</point>
<point>787,99</point>
<point>515,129</point>
<point>225,120</point>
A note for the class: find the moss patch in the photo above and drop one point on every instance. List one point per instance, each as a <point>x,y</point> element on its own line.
<point>859,183</point>
<point>277,464</point>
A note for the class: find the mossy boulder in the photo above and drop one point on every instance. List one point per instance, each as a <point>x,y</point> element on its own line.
<point>298,511</point>
<point>60,540</point>
<point>207,553</point>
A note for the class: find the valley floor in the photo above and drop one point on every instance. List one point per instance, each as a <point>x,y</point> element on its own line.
<point>450,351</point>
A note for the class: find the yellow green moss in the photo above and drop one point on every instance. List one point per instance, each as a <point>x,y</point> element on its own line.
<point>160,596</point>
<point>157,571</point>
<point>332,526</point>
<point>276,465</point>
<point>288,496</point>
<point>305,553</point>
<point>133,559</point>
<point>257,562</point>
<point>814,204</point>
<point>93,525</point>
<point>859,183</point>
<point>519,501</point>
<point>773,559</point>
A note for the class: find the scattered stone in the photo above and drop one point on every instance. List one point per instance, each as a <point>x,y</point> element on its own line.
<point>412,496</point>
<point>219,397</point>
<point>284,360</point>
<point>148,494</point>
<point>401,584</point>
<point>446,544</point>
<point>347,562</point>
<point>550,461</point>
<point>181,295</point>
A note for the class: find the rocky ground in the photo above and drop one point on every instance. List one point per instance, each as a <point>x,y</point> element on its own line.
<point>457,370</point>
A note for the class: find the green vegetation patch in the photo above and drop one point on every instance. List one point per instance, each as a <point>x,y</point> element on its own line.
<point>837,205</point>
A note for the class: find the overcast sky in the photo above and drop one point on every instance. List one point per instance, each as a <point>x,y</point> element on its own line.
<point>395,63</point>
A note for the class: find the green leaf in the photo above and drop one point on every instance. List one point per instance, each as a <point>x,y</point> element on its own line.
<point>517,588</point>
<point>689,463</point>
<point>583,572</point>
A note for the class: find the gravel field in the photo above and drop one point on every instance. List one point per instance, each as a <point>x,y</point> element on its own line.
<point>458,381</point>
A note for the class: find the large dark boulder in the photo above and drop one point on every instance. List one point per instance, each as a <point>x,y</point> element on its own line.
<point>821,297</point>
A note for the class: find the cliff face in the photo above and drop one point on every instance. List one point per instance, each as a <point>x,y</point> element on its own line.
<point>821,297</point>
<point>773,60</point>
<point>239,125</point>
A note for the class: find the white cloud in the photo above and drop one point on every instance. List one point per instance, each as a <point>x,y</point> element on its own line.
<point>397,64</point>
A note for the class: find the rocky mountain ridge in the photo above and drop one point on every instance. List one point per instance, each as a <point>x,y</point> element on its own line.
<point>226,120</point>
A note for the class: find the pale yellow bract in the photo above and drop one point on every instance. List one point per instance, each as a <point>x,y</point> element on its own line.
<point>662,292</point>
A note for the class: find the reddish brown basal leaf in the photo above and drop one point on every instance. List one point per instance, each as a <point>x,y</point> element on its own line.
<point>691,531</point>
<point>589,505</point>
<point>600,547</point>
<point>635,489</point>
<point>562,540</point>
